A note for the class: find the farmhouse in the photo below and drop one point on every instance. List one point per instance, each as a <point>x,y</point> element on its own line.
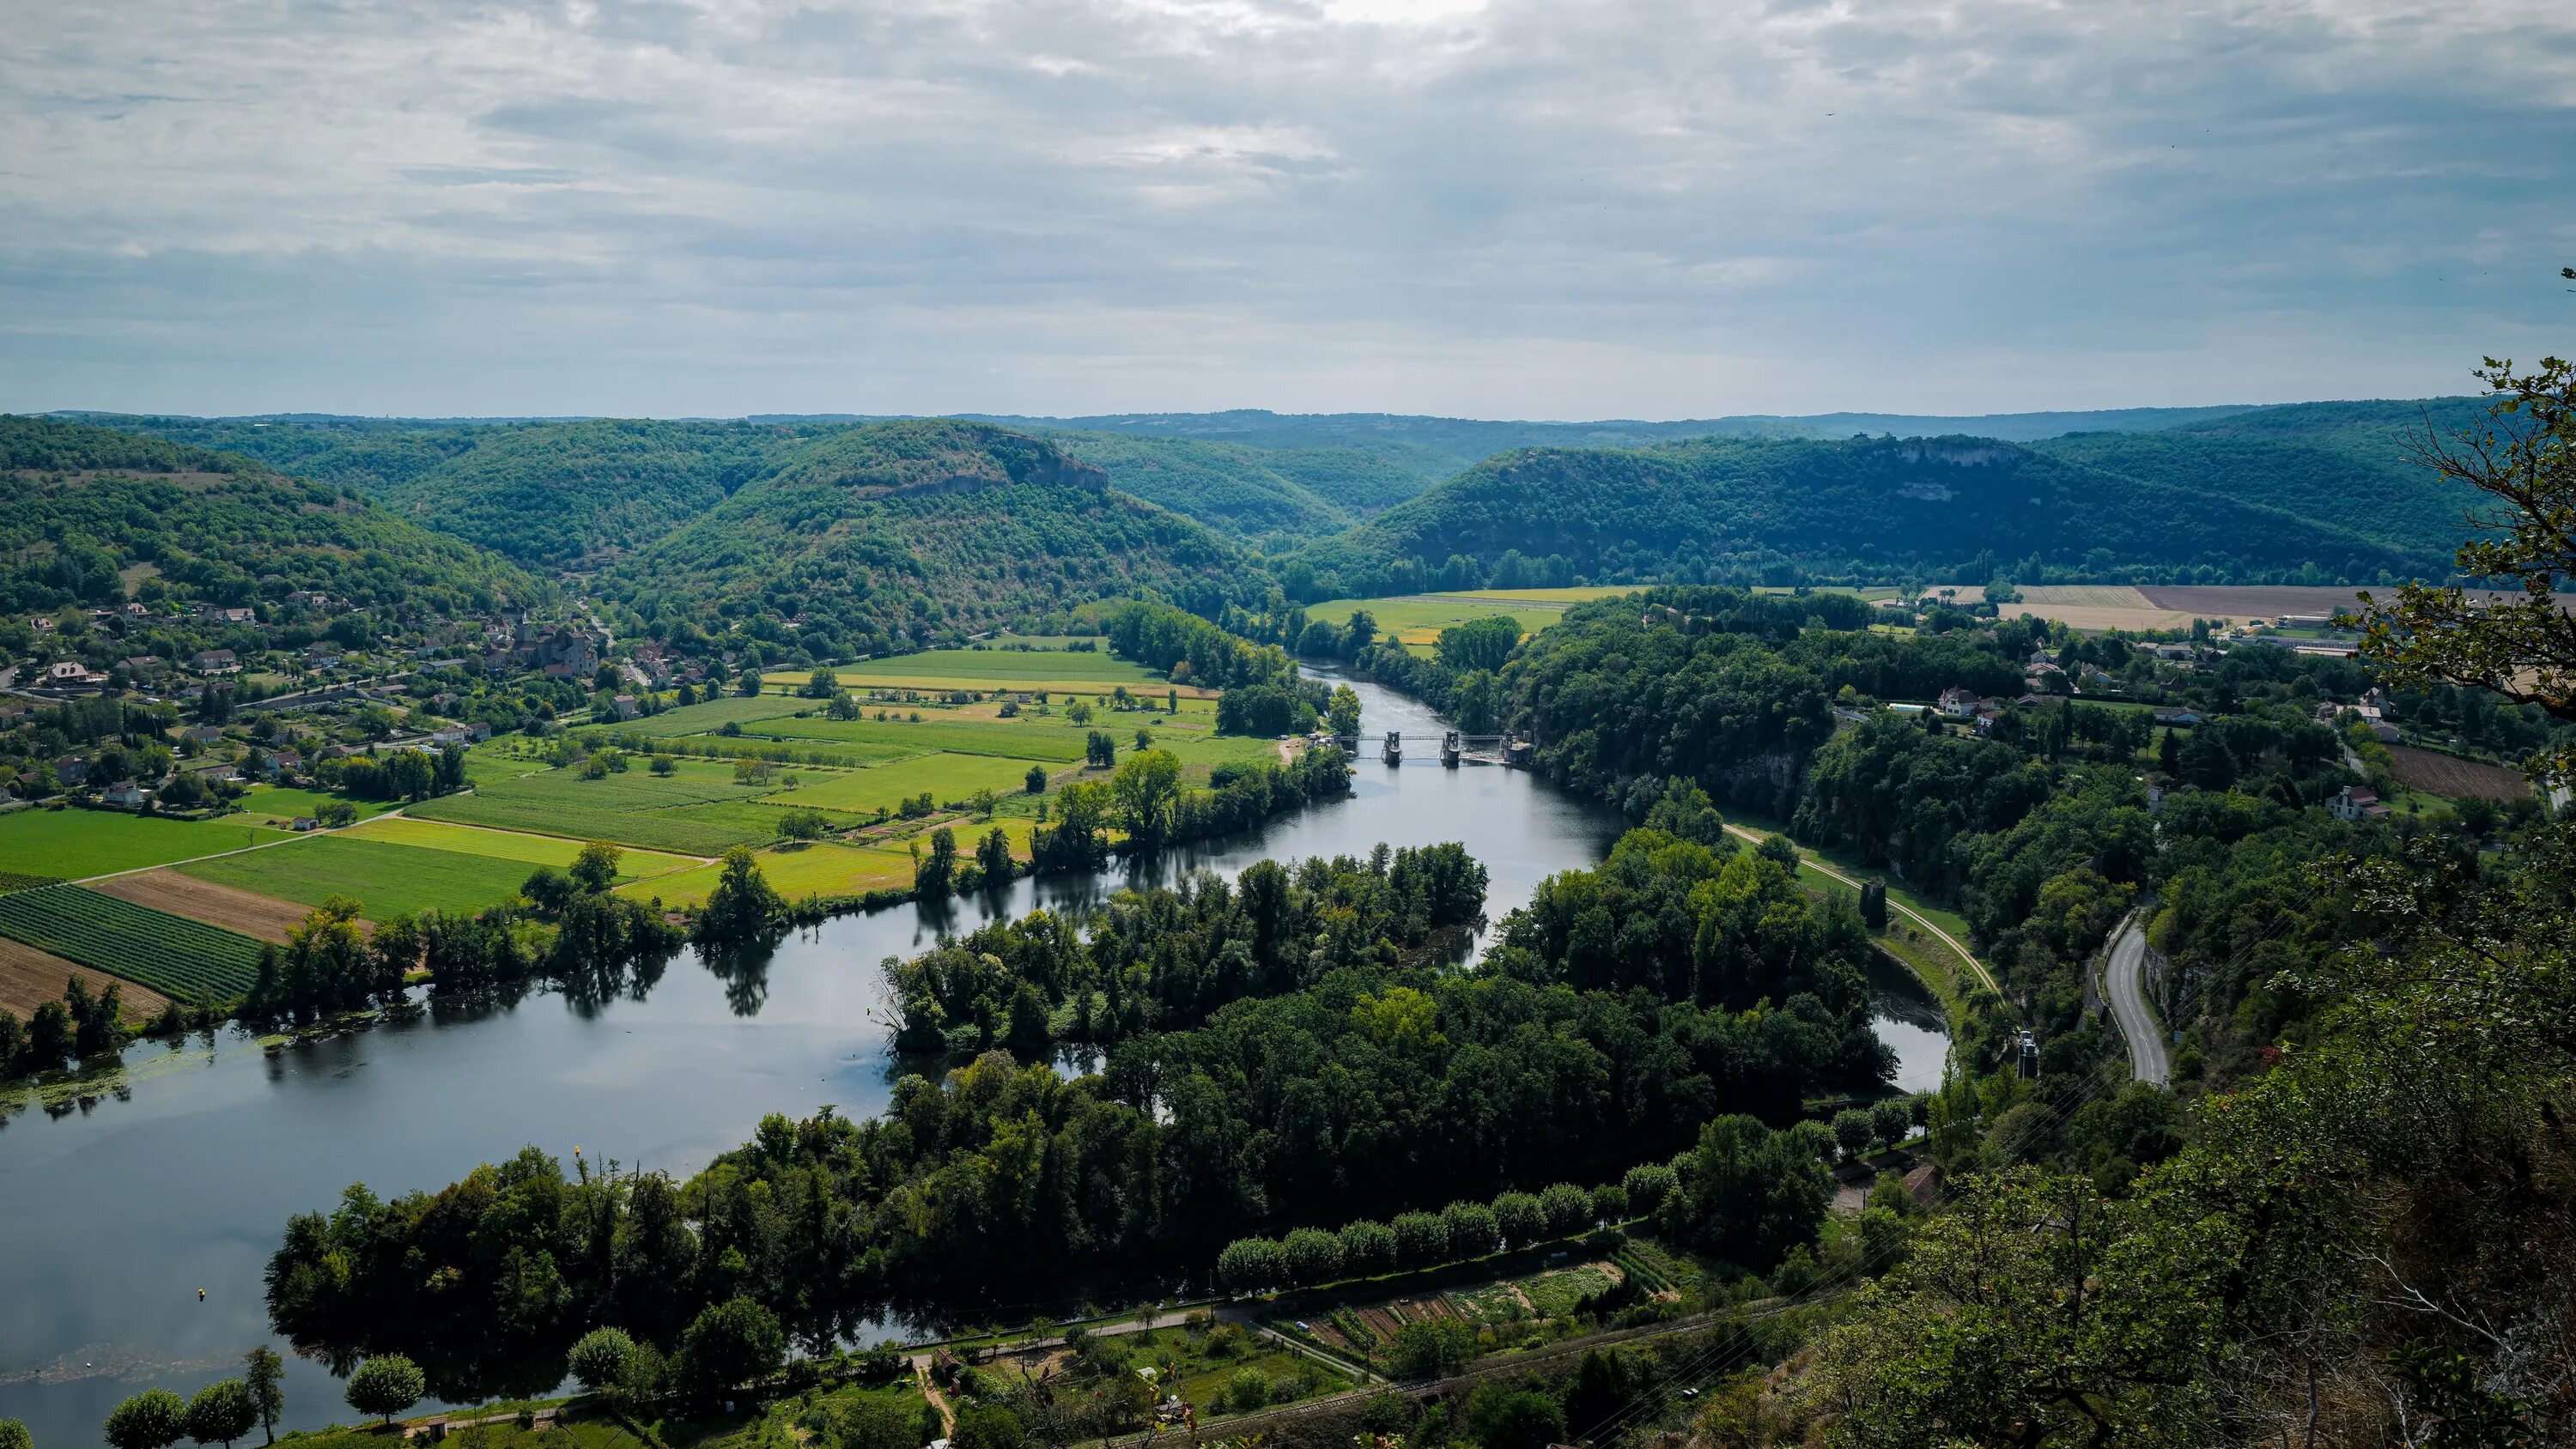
<point>213,661</point>
<point>2354,806</point>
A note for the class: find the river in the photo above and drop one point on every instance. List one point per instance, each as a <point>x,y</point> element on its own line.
<point>115,1213</point>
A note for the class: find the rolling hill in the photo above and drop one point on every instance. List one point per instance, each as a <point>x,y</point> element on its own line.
<point>85,511</point>
<point>2350,461</point>
<point>920,528</point>
<point>1721,507</point>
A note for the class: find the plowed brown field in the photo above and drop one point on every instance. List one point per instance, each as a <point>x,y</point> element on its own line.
<point>29,978</point>
<point>2440,774</point>
<point>203,900</point>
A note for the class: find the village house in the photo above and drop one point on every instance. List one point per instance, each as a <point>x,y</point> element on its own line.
<point>70,769</point>
<point>2355,805</point>
<point>1959,703</point>
<point>72,674</point>
<point>625,706</point>
<point>214,661</point>
<point>125,793</point>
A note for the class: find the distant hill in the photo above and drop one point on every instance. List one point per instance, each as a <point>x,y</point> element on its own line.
<point>584,493</point>
<point>80,505</point>
<point>918,528</point>
<point>2351,462</point>
<point>1728,507</point>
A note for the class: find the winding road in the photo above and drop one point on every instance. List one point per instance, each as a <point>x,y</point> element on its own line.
<point>2124,983</point>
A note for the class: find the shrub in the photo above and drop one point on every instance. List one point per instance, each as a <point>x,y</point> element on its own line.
<point>385,1386</point>
<point>1249,1265</point>
<point>1428,1348</point>
<point>1568,1209</point>
<point>148,1420</point>
<point>221,1412</point>
<point>729,1343</point>
<point>1472,1230</point>
<point>600,1358</point>
<point>1314,1256</point>
<point>1367,1248</point>
<point>1648,1183</point>
<point>1421,1239</point>
<point>1520,1218</point>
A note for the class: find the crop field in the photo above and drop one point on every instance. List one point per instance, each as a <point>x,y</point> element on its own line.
<point>386,880</point>
<point>71,844</point>
<point>1417,619</point>
<point>823,869</point>
<point>29,978</point>
<point>1008,668</point>
<point>2453,778</point>
<point>171,954</point>
<point>715,714</point>
<point>230,907</point>
<point>634,808</point>
<point>1025,739</point>
<point>279,804</point>
<point>532,850</point>
<point>946,777</point>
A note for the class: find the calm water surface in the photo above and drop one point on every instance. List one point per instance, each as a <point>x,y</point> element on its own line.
<point>114,1214</point>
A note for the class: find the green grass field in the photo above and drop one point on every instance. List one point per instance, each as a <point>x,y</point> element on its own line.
<point>634,808</point>
<point>178,957</point>
<point>281,804</point>
<point>531,850</point>
<point>946,777</point>
<point>72,844</point>
<point>812,870</point>
<point>1417,620</point>
<point>691,719</point>
<point>386,880</point>
<point>1049,738</point>
<point>1004,665</point>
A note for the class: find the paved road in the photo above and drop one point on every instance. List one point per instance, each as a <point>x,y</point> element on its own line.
<point>1908,912</point>
<point>2124,982</point>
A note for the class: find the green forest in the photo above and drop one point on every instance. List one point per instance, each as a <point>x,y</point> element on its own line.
<point>83,508</point>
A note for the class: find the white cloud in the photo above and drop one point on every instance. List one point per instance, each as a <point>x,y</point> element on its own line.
<point>1525,207</point>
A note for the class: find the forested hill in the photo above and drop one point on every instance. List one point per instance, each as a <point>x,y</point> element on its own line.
<point>921,527</point>
<point>91,515</point>
<point>2350,460</point>
<point>1868,507</point>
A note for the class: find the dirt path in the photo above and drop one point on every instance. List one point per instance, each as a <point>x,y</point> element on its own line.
<point>938,1400</point>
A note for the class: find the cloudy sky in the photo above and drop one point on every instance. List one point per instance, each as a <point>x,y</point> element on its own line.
<point>1631,208</point>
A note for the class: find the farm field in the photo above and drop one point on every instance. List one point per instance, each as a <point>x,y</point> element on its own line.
<point>822,869</point>
<point>533,850</point>
<point>947,777</point>
<point>29,978</point>
<point>634,808</point>
<point>1050,669</point>
<point>279,805</point>
<point>2453,778</point>
<point>71,844</point>
<point>1416,620</point>
<point>171,954</point>
<point>1030,739</point>
<point>715,714</point>
<point>386,878</point>
<point>227,906</point>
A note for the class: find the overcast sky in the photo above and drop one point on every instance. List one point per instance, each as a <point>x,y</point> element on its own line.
<point>1499,210</point>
